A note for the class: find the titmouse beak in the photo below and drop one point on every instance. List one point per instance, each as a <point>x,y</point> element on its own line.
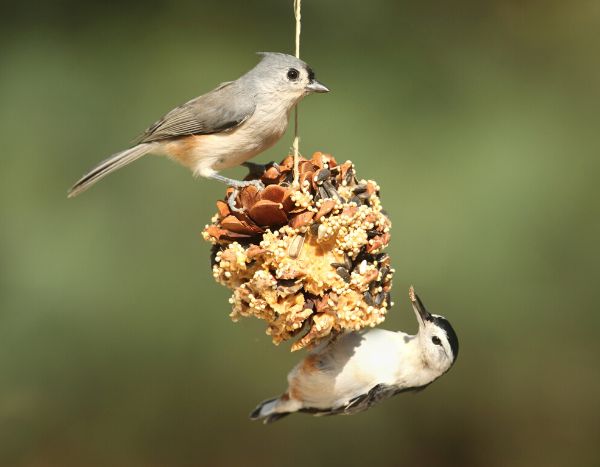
<point>315,86</point>
<point>420,310</point>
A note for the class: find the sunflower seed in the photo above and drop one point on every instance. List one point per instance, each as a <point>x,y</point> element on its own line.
<point>388,299</point>
<point>379,298</point>
<point>343,273</point>
<point>349,176</point>
<point>296,246</point>
<point>322,175</point>
<point>323,192</point>
<point>329,188</point>
<point>347,262</point>
<point>332,192</point>
<point>359,189</point>
<point>381,257</point>
<point>369,298</point>
<point>372,233</point>
<point>384,271</point>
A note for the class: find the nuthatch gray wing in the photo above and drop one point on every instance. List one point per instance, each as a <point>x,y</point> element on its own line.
<point>225,127</point>
<point>354,371</point>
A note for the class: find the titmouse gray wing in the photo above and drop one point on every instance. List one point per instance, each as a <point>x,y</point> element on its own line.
<point>224,108</point>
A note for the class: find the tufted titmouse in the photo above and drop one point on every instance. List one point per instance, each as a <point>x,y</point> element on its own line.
<point>224,128</point>
<point>358,369</point>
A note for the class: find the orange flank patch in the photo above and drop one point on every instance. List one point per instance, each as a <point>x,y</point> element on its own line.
<point>310,364</point>
<point>294,391</point>
<point>182,149</point>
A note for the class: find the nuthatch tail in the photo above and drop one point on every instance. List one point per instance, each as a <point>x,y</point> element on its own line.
<point>353,372</point>
<point>226,127</point>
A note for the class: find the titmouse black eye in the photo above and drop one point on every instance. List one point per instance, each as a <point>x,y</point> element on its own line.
<point>436,340</point>
<point>293,74</point>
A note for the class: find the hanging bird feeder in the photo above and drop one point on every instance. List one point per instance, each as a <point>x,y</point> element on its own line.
<point>308,258</point>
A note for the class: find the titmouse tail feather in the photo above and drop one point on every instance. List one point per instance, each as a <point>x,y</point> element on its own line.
<point>266,412</point>
<point>114,162</point>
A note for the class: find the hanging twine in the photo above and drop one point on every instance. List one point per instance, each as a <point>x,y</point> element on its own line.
<point>296,144</point>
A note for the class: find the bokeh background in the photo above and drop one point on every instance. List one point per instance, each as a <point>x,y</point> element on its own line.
<point>478,119</point>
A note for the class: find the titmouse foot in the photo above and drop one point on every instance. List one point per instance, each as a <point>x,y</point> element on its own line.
<point>237,184</point>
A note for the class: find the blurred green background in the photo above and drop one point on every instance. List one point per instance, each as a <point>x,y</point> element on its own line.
<point>478,119</point>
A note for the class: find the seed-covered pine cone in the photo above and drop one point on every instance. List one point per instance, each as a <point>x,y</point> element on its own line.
<point>308,260</point>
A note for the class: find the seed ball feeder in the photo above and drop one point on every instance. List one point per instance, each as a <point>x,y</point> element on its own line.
<point>307,257</point>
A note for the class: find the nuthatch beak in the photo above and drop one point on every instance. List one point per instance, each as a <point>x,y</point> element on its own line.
<point>420,310</point>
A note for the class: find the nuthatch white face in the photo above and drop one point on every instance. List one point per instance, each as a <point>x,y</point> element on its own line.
<point>225,127</point>
<point>437,338</point>
<point>354,371</point>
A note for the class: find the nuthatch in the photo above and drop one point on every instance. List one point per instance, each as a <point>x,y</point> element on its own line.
<point>225,127</point>
<point>354,371</point>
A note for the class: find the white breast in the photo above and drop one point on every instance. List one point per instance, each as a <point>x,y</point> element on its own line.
<point>229,149</point>
<point>348,368</point>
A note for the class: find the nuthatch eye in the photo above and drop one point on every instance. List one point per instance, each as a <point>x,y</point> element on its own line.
<point>354,371</point>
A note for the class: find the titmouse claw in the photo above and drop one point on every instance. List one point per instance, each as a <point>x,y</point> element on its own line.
<point>237,183</point>
<point>236,189</point>
<point>231,201</point>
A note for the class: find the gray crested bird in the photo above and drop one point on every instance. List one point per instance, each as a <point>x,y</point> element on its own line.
<point>225,127</point>
<point>356,370</point>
